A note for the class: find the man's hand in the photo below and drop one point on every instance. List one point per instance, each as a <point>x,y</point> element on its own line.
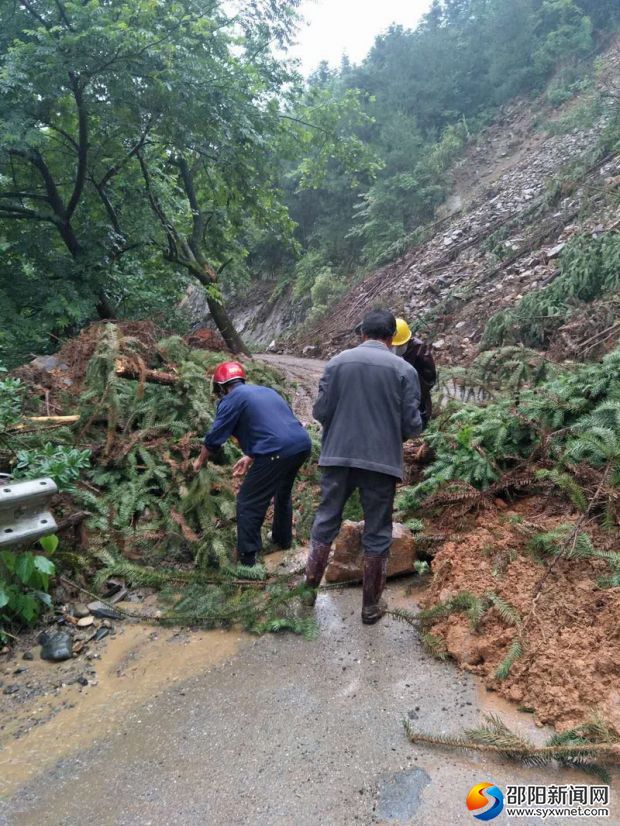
<point>198,464</point>
<point>242,466</point>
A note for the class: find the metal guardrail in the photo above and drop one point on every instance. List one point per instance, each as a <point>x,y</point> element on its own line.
<point>24,514</point>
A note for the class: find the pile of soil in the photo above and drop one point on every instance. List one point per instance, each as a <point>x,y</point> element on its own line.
<point>53,380</point>
<point>207,339</point>
<point>570,667</point>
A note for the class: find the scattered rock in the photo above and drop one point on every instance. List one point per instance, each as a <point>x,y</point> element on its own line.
<point>27,655</point>
<point>11,689</point>
<point>101,610</point>
<point>85,622</point>
<point>463,645</point>
<point>347,561</point>
<point>47,363</point>
<point>80,611</point>
<point>555,251</point>
<point>56,646</point>
<point>273,347</point>
<point>310,351</point>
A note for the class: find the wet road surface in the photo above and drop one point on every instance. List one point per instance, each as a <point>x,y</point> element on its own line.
<point>273,731</point>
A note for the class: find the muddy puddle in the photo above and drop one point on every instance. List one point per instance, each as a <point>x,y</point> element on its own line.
<point>138,664</point>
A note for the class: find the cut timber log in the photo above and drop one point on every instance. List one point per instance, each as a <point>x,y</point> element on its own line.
<point>57,421</point>
<point>126,370</point>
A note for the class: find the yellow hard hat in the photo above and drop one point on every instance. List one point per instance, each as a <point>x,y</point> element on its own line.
<point>402,334</point>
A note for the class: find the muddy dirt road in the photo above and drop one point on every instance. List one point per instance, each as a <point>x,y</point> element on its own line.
<point>183,727</point>
<point>305,375</point>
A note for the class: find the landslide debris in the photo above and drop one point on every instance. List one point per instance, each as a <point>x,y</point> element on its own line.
<point>529,183</point>
<point>144,404</point>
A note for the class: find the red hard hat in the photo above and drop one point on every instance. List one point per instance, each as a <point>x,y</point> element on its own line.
<point>229,371</point>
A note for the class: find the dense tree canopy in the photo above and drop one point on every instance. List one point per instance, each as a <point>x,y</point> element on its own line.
<point>147,144</point>
<point>139,146</point>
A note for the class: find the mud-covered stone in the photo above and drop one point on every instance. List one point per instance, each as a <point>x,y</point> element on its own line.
<point>463,645</point>
<point>56,646</point>
<point>346,562</point>
<point>80,611</point>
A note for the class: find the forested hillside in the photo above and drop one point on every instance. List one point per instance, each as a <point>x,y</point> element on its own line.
<point>140,149</point>
<point>429,94</point>
<point>146,149</point>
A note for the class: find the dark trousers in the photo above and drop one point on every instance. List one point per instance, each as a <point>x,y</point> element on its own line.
<point>376,491</point>
<point>270,477</point>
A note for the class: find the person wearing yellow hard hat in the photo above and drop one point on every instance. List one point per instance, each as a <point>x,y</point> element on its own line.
<point>418,354</point>
<point>403,336</point>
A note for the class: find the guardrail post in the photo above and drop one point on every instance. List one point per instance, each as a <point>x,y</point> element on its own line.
<point>24,514</point>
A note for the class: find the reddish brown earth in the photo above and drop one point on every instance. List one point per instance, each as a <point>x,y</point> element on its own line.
<point>571,633</point>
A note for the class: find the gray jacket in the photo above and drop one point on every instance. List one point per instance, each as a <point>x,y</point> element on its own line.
<point>368,404</point>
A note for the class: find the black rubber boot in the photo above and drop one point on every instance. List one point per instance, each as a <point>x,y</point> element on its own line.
<point>375,574</point>
<point>248,560</point>
<point>315,568</point>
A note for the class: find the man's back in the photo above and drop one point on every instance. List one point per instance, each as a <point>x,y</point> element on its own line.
<point>261,420</point>
<point>368,405</point>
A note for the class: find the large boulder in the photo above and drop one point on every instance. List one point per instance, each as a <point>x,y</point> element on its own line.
<point>346,564</point>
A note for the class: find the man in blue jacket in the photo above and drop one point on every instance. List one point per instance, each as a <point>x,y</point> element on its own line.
<point>368,404</point>
<point>275,446</point>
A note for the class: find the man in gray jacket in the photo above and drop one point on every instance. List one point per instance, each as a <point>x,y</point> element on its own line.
<point>368,404</point>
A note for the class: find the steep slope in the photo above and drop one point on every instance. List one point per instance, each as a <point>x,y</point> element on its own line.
<point>534,179</point>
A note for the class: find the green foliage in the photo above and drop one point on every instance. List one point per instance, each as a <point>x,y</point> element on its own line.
<point>222,599</point>
<point>433,645</point>
<point>148,501</point>
<point>571,545</point>
<point>63,464</point>
<point>24,585</point>
<point>511,368</point>
<point>426,93</point>
<point>471,447</point>
<point>415,525</point>
<point>10,400</point>
<point>507,612</point>
<point>476,445</point>
<point>29,455</point>
<point>514,653</point>
<point>566,483</point>
<point>464,601</point>
<point>135,136</point>
<point>589,268</point>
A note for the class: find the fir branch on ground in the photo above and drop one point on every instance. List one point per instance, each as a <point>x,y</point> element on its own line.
<point>591,747</point>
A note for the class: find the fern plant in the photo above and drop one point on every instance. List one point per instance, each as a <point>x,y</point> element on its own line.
<point>589,268</point>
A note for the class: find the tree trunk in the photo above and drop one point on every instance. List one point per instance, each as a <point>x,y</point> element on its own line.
<point>224,324</point>
<point>125,370</point>
<point>105,308</point>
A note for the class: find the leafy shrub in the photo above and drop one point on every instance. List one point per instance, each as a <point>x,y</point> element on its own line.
<point>63,464</point>
<point>24,584</point>
<point>10,400</point>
